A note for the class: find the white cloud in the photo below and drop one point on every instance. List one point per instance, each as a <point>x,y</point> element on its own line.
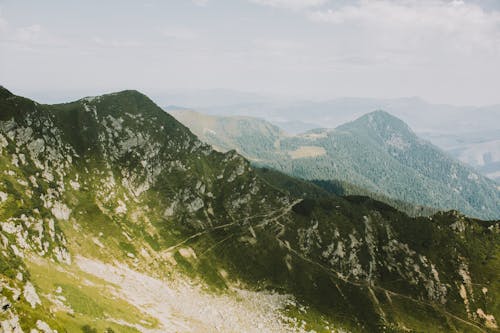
<point>29,33</point>
<point>419,22</point>
<point>180,33</point>
<point>290,4</point>
<point>26,35</point>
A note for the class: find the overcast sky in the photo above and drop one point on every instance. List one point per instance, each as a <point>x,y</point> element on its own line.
<point>443,51</point>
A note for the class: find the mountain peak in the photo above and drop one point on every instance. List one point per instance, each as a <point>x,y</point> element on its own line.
<point>380,113</point>
<point>4,92</point>
<point>129,92</point>
<point>381,116</point>
<point>123,93</point>
<point>135,102</point>
<point>380,122</point>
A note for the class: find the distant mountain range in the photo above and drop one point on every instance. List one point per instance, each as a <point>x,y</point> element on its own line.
<point>421,115</point>
<point>478,149</point>
<point>114,217</point>
<point>377,152</point>
<point>474,131</point>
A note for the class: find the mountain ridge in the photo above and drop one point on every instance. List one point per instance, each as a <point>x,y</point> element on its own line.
<point>149,202</point>
<point>378,152</point>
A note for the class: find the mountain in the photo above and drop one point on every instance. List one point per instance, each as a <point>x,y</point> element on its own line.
<point>421,115</point>
<point>377,152</point>
<point>484,156</point>
<point>114,217</point>
<point>253,137</point>
<point>479,149</point>
<point>473,130</point>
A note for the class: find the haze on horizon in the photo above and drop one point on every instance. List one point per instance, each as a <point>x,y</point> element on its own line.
<point>440,50</point>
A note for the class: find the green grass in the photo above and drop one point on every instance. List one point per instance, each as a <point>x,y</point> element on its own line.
<point>90,298</point>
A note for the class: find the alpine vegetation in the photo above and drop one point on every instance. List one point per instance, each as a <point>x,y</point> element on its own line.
<point>114,217</point>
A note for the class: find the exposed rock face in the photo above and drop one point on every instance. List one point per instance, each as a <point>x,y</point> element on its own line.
<point>30,295</point>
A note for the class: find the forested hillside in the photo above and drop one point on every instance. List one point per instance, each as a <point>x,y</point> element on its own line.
<point>376,153</point>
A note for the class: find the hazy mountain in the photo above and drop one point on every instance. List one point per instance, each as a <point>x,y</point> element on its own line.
<point>484,156</point>
<point>115,218</point>
<point>479,149</point>
<point>438,123</point>
<point>377,152</point>
<point>254,137</point>
<point>295,127</point>
<point>421,115</point>
<point>212,98</point>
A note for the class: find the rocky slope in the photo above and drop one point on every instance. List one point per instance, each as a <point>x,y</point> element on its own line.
<point>376,154</point>
<point>115,218</point>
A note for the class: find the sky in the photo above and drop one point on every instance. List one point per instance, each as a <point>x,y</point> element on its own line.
<point>440,50</point>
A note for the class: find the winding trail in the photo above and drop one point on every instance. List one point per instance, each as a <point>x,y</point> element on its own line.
<point>339,276</point>
<point>281,212</point>
<point>335,274</point>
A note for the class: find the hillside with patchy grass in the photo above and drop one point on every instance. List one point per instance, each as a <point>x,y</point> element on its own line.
<point>115,218</point>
